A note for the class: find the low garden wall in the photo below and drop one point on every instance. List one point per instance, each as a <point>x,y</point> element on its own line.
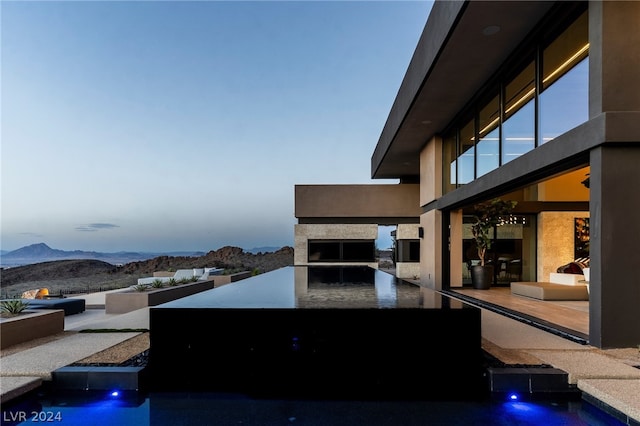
<point>30,325</point>
<point>131,300</point>
<point>127,301</point>
<point>220,280</point>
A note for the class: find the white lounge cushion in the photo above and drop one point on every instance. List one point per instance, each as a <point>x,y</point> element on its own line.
<point>566,279</point>
<point>550,291</point>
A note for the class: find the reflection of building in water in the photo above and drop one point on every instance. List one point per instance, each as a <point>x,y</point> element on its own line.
<point>353,287</point>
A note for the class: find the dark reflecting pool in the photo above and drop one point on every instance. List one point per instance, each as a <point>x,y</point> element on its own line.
<point>335,332</point>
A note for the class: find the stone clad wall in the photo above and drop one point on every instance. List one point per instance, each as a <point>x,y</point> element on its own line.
<point>305,232</point>
<point>555,241</point>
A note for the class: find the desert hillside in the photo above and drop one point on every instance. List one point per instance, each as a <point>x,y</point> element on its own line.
<point>74,276</point>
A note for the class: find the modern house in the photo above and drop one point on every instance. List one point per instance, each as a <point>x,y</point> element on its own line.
<point>536,102</point>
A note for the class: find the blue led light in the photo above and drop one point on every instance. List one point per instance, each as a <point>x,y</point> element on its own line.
<point>115,393</point>
<point>513,397</point>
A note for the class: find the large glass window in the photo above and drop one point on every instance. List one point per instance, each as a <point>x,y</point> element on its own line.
<point>565,105</point>
<point>358,251</point>
<point>488,149</point>
<point>546,98</point>
<point>324,251</point>
<point>564,98</point>
<point>518,129</point>
<point>466,160</point>
<point>513,252</point>
<point>341,251</point>
<point>408,251</point>
<point>450,162</point>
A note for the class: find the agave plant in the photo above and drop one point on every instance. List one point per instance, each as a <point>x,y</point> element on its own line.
<point>157,283</point>
<point>173,282</point>
<point>140,287</point>
<point>13,307</point>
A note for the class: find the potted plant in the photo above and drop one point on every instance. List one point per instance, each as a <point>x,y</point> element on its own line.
<point>487,216</point>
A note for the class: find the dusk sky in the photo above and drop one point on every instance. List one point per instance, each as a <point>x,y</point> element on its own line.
<point>165,126</point>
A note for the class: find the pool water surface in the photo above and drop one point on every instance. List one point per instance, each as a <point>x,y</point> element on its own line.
<point>174,408</point>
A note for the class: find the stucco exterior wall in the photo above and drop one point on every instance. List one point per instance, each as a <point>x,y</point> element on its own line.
<point>395,202</point>
<point>431,171</point>
<point>457,268</point>
<point>431,250</point>
<point>431,221</point>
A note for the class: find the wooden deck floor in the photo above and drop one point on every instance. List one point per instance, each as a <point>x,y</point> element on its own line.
<point>570,315</point>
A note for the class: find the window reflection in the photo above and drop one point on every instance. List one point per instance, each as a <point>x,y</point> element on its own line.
<point>545,99</point>
<point>518,129</point>
<point>488,153</point>
<point>466,159</point>
<point>565,51</point>
<point>449,153</point>
<point>519,91</point>
<point>564,98</point>
<point>488,149</point>
<point>518,133</point>
<point>565,104</point>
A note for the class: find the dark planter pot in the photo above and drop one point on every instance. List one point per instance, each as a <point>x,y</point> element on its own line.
<point>482,276</point>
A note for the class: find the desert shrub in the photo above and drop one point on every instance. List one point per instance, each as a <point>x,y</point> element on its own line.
<point>173,282</point>
<point>140,287</point>
<point>13,307</point>
<point>157,283</point>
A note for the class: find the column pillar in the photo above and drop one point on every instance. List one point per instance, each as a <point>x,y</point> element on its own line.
<point>614,284</point>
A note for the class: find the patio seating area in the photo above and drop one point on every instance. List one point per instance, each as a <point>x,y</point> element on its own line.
<point>71,306</point>
<point>570,285</point>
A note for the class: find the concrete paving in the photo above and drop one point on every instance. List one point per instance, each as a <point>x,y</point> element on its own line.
<point>23,371</point>
<point>613,381</point>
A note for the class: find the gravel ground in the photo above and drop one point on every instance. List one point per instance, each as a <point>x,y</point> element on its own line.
<point>129,352</point>
<point>123,353</point>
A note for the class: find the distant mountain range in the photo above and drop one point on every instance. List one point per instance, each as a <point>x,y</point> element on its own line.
<point>41,252</point>
<point>266,249</point>
<point>36,253</point>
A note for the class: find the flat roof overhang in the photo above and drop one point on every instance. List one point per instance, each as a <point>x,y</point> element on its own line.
<point>453,59</point>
